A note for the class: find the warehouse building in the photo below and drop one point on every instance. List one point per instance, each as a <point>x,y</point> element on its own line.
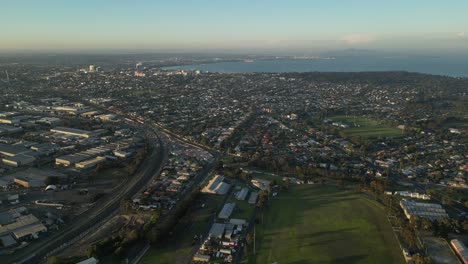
<point>46,148</point>
<point>88,164</point>
<point>51,121</point>
<point>429,211</point>
<point>12,150</point>
<point>72,132</point>
<point>72,159</point>
<point>460,249</point>
<point>217,186</point>
<point>71,109</point>
<point>227,210</point>
<point>9,121</point>
<point>19,160</point>
<point>7,130</point>
<point>253,197</point>
<point>89,261</point>
<point>7,241</point>
<point>261,183</point>
<point>33,177</point>
<point>242,194</point>
<point>201,258</point>
<point>217,230</point>
<point>24,227</point>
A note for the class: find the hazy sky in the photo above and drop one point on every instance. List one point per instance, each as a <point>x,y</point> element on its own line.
<point>234,25</point>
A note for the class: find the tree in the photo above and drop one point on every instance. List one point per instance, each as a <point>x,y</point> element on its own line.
<point>53,260</point>
<point>322,182</point>
<point>286,183</point>
<point>51,180</point>
<point>340,183</point>
<point>125,204</point>
<point>249,238</point>
<point>446,200</point>
<point>408,235</point>
<point>132,235</point>
<point>420,259</point>
<point>416,222</point>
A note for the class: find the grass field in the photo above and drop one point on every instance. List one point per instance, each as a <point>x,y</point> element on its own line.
<point>243,209</point>
<point>366,128</point>
<point>178,247</point>
<point>311,224</point>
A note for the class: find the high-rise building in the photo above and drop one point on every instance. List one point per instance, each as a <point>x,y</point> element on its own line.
<point>91,68</point>
<point>139,67</point>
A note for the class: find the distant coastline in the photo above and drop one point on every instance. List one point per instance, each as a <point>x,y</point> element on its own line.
<point>454,67</point>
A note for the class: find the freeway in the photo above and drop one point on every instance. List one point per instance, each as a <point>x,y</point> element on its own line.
<point>151,166</point>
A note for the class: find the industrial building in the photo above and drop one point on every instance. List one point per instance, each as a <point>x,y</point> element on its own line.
<point>19,160</point>
<point>16,155</point>
<point>89,261</point>
<point>242,194</point>
<point>72,159</point>
<point>217,186</point>
<point>7,129</point>
<point>261,183</point>
<point>460,249</point>
<point>217,230</point>
<point>87,164</point>
<point>12,150</point>
<point>227,210</point>
<point>201,258</point>
<point>51,121</point>
<point>71,109</point>
<point>427,210</point>
<point>413,195</point>
<point>72,132</point>
<point>9,121</point>
<point>253,197</point>
<point>33,177</point>
<point>25,226</point>
<point>46,148</point>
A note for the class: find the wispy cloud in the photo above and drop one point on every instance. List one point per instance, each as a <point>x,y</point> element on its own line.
<point>462,35</point>
<point>357,39</point>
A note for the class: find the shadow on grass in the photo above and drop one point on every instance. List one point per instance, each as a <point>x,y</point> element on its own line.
<point>350,259</point>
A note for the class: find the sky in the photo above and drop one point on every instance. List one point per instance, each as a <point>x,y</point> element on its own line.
<point>281,26</point>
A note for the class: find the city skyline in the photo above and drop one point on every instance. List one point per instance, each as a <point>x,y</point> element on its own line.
<point>241,26</point>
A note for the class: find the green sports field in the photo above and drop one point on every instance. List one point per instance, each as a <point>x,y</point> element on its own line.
<point>312,224</point>
<point>367,128</point>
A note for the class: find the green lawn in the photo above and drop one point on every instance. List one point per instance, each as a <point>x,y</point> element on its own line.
<point>243,209</point>
<point>312,224</point>
<point>178,247</point>
<point>367,128</point>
